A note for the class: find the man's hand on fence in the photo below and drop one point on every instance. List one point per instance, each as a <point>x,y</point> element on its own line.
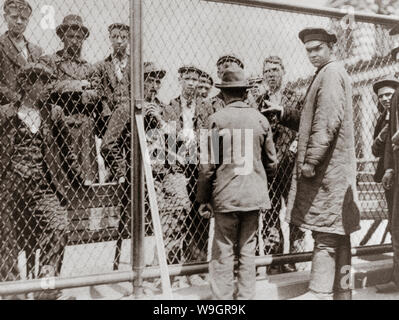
<point>121,180</point>
<point>387,179</point>
<point>273,108</point>
<point>205,211</point>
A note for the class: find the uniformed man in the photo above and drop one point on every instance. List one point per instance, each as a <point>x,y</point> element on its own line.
<point>75,92</point>
<point>15,50</point>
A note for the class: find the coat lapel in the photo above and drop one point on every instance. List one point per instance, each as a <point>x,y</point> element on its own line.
<point>11,51</point>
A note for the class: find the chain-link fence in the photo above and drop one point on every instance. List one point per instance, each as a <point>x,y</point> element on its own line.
<point>66,129</point>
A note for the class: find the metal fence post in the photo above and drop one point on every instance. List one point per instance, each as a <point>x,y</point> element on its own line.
<point>137,187</point>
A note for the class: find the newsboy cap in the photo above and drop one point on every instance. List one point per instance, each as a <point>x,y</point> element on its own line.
<point>189,68</point>
<point>230,57</point>
<point>120,26</point>
<point>72,21</point>
<point>152,69</point>
<point>255,79</point>
<point>19,5</point>
<point>311,34</point>
<point>273,59</point>
<point>205,77</point>
<point>233,77</point>
<point>389,81</point>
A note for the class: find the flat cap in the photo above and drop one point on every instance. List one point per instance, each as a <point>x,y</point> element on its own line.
<point>311,34</point>
<point>273,59</point>
<point>152,68</point>
<point>19,5</point>
<point>189,68</point>
<point>205,77</point>
<point>118,25</point>
<point>230,57</point>
<point>385,82</point>
<point>255,79</point>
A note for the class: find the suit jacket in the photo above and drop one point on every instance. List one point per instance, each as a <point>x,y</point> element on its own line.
<point>59,158</point>
<point>326,202</point>
<point>227,184</point>
<point>110,89</point>
<point>11,61</point>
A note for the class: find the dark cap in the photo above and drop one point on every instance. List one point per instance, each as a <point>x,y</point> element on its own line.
<point>230,57</point>
<point>74,22</point>
<point>120,26</point>
<point>205,77</point>
<point>389,81</point>
<point>189,68</point>
<point>255,79</point>
<point>233,77</point>
<point>319,34</point>
<point>18,5</point>
<point>152,69</point>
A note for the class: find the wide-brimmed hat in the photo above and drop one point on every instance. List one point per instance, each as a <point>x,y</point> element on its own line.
<point>18,5</point>
<point>189,68</point>
<point>118,25</point>
<point>35,70</point>
<point>320,34</point>
<point>152,68</point>
<point>205,77</point>
<point>71,21</point>
<point>389,81</point>
<point>230,57</point>
<point>233,77</point>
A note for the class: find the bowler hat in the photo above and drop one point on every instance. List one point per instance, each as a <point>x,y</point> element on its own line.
<point>72,21</point>
<point>230,57</point>
<point>385,82</point>
<point>19,5</point>
<point>152,68</point>
<point>205,77</point>
<point>120,26</point>
<point>188,68</point>
<point>233,77</point>
<point>36,69</point>
<point>311,34</point>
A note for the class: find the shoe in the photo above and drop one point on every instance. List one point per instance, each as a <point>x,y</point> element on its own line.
<point>389,287</point>
<point>311,295</point>
<point>288,268</point>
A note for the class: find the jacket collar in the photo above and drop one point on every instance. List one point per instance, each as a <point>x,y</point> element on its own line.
<point>13,53</point>
<point>238,104</point>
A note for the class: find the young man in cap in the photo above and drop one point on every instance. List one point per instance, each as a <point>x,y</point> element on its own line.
<point>390,180</point>
<point>205,85</point>
<point>15,50</point>
<point>236,186</point>
<point>113,73</point>
<point>37,167</point>
<point>76,92</point>
<point>285,141</point>
<point>323,195</point>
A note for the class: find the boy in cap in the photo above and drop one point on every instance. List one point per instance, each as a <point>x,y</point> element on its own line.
<point>15,50</point>
<point>236,187</point>
<point>37,169</point>
<point>390,180</point>
<point>76,92</point>
<point>113,73</point>
<point>205,85</point>
<point>323,195</point>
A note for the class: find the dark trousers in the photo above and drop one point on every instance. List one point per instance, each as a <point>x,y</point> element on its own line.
<point>234,228</point>
<point>331,265</point>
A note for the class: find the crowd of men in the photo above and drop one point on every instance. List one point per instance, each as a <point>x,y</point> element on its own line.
<point>59,114</point>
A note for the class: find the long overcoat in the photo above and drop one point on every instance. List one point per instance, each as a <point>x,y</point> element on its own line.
<point>326,202</point>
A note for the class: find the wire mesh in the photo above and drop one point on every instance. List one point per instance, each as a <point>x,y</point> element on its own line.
<point>65,194</point>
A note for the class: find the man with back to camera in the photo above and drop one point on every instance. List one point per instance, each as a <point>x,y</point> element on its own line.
<point>235,186</point>
<point>323,195</point>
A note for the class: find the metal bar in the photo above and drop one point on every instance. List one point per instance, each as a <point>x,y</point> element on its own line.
<point>311,10</point>
<point>10,288</point>
<point>137,185</point>
<point>156,221</point>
